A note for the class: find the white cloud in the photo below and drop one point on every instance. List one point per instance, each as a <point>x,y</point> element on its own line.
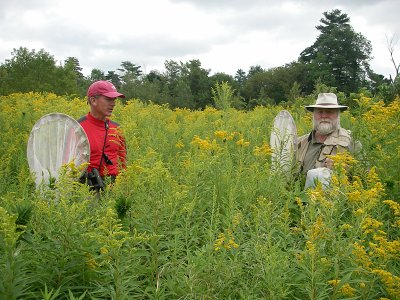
<point>224,35</point>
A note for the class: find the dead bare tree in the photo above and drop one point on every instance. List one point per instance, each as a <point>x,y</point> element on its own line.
<point>391,44</point>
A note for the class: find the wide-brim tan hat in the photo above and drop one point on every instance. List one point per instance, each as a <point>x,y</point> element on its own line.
<point>326,100</point>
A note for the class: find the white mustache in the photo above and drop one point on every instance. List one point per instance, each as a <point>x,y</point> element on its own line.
<point>325,120</point>
<point>326,125</point>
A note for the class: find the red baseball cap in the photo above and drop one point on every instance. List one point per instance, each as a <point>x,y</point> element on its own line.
<point>104,88</point>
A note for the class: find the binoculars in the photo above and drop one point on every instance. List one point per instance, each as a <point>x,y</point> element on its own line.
<point>94,180</point>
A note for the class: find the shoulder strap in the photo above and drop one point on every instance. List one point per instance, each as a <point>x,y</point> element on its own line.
<point>104,145</point>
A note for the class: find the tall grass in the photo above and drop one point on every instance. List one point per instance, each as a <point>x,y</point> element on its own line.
<point>198,213</point>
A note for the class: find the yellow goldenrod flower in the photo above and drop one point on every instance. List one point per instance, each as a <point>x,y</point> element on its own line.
<point>221,134</point>
<point>299,202</point>
<point>354,196</point>
<point>90,261</point>
<point>361,256</point>
<point>180,144</point>
<point>347,290</point>
<point>359,212</point>
<point>325,261</point>
<point>205,144</point>
<point>369,225</point>
<point>311,247</point>
<point>342,159</point>
<point>318,230</point>
<point>232,136</point>
<point>392,282</point>
<point>335,180</point>
<point>242,143</point>
<point>346,226</point>
<point>219,242</point>
<point>225,241</point>
<point>232,244</point>
<point>264,150</point>
<point>394,206</point>
<point>299,256</point>
<point>296,230</point>
<point>334,282</point>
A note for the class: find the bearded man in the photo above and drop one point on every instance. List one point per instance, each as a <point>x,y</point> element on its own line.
<point>327,137</point>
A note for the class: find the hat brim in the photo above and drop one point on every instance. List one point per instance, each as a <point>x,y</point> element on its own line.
<point>114,95</point>
<point>312,107</point>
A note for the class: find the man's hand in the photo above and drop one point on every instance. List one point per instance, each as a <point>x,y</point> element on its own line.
<point>328,163</point>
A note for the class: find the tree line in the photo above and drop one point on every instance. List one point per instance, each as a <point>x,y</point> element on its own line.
<point>339,58</point>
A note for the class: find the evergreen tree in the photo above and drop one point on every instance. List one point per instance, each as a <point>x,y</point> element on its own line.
<point>130,72</point>
<point>74,63</point>
<point>340,56</point>
<point>80,84</point>
<point>114,78</point>
<point>240,77</point>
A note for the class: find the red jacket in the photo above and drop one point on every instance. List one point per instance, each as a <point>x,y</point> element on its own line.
<point>104,135</point>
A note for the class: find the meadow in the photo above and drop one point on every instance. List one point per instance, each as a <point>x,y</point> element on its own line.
<point>198,213</point>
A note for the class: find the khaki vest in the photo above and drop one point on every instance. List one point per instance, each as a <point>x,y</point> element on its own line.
<point>337,141</point>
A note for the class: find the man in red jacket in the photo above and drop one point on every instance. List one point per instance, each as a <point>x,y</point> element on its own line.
<point>107,146</point>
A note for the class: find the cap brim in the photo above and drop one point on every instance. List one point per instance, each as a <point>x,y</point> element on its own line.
<point>114,95</point>
<point>311,107</point>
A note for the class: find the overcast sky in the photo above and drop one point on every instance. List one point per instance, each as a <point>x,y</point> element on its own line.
<point>224,35</point>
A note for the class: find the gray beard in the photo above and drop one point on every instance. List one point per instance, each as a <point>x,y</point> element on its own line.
<point>326,128</point>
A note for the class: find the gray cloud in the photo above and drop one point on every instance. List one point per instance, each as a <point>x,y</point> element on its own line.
<point>237,22</point>
<point>145,50</point>
<point>14,7</point>
<point>240,4</point>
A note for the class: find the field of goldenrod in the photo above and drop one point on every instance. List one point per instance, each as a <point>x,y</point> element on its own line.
<point>198,213</point>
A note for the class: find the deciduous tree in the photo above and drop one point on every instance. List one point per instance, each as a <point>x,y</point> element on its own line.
<point>31,71</point>
<point>199,83</point>
<point>97,74</point>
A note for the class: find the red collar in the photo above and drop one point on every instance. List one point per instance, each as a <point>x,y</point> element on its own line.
<point>97,122</point>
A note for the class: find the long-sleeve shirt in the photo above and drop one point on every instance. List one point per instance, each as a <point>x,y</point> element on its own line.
<point>104,135</point>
